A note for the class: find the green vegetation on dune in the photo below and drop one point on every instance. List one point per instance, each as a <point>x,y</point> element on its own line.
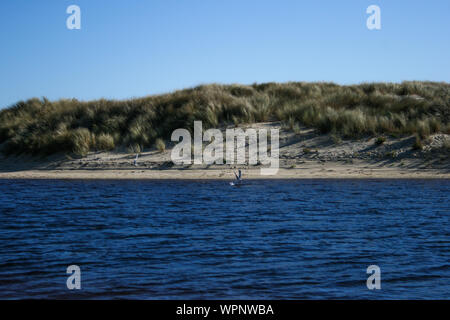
<point>40,126</point>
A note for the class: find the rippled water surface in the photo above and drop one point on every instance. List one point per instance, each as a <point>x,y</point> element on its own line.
<point>205,239</point>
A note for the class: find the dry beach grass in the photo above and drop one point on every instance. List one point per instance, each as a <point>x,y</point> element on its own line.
<point>43,127</point>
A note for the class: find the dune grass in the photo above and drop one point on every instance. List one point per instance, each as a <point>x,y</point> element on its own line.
<point>43,127</point>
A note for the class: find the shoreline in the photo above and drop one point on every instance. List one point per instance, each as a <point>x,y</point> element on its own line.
<point>325,172</point>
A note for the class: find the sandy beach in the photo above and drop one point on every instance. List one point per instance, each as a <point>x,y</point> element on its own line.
<point>303,155</point>
<point>330,171</point>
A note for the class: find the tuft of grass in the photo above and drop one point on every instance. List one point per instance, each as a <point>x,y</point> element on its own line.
<point>380,140</point>
<point>160,145</point>
<point>81,140</point>
<point>104,142</point>
<point>134,148</point>
<point>391,154</point>
<point>336,139</point>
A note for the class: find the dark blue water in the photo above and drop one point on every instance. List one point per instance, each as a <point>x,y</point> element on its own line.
<point>182,240</point>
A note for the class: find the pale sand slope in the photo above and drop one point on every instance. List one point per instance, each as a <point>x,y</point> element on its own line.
<point>303,155</point>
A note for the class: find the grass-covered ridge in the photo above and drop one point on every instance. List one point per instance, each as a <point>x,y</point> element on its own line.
<point>40,126</point>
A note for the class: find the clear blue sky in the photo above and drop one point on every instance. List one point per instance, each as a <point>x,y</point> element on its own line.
<point>139,47</point>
